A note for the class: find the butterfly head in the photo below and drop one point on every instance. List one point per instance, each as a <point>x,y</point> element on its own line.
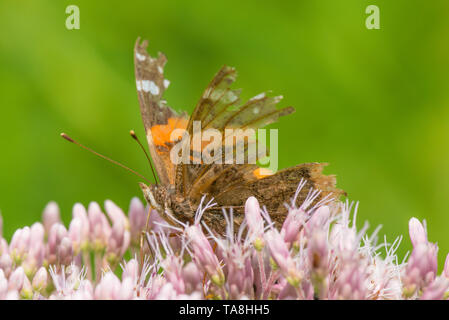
<point>168,203</point>
<point>153,195</point>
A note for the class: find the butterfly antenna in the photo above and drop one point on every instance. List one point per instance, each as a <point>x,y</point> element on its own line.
<point>65,136</point>
<point>134,136</point>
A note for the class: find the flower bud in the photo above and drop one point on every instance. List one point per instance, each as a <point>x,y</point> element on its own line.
<point>126,290</point>
<point>255,222</point>
<point>20,244</point>
<point>85,291</point>
<point>137,220</point>
<point>16,279</point>
<point>350,284</point>
<point>192,277</point>
<point>240,276</point>
<point>37,233</point>
<point>99,227</point>
<point>203,253</point>
<point>115,213</point>
<point>421,268</point>
<point>126,242</point>
<point>292,224</point>
<point>317,250</point>
<point>318,220</point>
<point>3,285</point>
<point>75,234</point>
<point>131,270</point>
<point>65,252</point>
<point>173,272</point>
<point>167,292</point>
<point>281,256</point>
<point>436,290</point>
<point>12,295</point>
<point>446,267</point>
<point>109,287</point>
<point>115,241</point>
<point>3,246</point>
<point>50,216</point>
<point>79,214</point>
<point>417,232</point>
<point>27,291</point>
<point>55,236</point>
<point>40,279</point>
<point>6,264</point>
<point>36,253</point>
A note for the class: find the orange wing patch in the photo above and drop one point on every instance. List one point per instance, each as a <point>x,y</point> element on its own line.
<point>161,133</point>
<point>260,173</point>
<point>163,142</point>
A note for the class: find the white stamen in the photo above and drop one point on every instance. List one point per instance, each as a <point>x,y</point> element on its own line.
<point>200,210</point>
<point>301,184</point>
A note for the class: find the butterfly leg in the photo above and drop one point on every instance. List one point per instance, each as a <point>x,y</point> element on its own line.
<point>145,231</point>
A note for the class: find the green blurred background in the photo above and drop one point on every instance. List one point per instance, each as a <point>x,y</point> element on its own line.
<point>372,103</point>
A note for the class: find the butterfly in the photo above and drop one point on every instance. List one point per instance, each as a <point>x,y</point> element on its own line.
<point>181,187</point>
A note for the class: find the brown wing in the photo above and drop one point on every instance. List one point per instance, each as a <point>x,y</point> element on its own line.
<point>231,184</point>
<point>273,192</point>
<point>219,108</point>
<point>159,119</point>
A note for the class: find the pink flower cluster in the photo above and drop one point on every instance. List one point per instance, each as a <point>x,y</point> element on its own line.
<point>317,254</point>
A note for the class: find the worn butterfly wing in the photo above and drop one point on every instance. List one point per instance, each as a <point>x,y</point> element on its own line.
<point>273,192</point>
<point>219,108</point>
<point>231,184</point>
<point>159,119</point>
